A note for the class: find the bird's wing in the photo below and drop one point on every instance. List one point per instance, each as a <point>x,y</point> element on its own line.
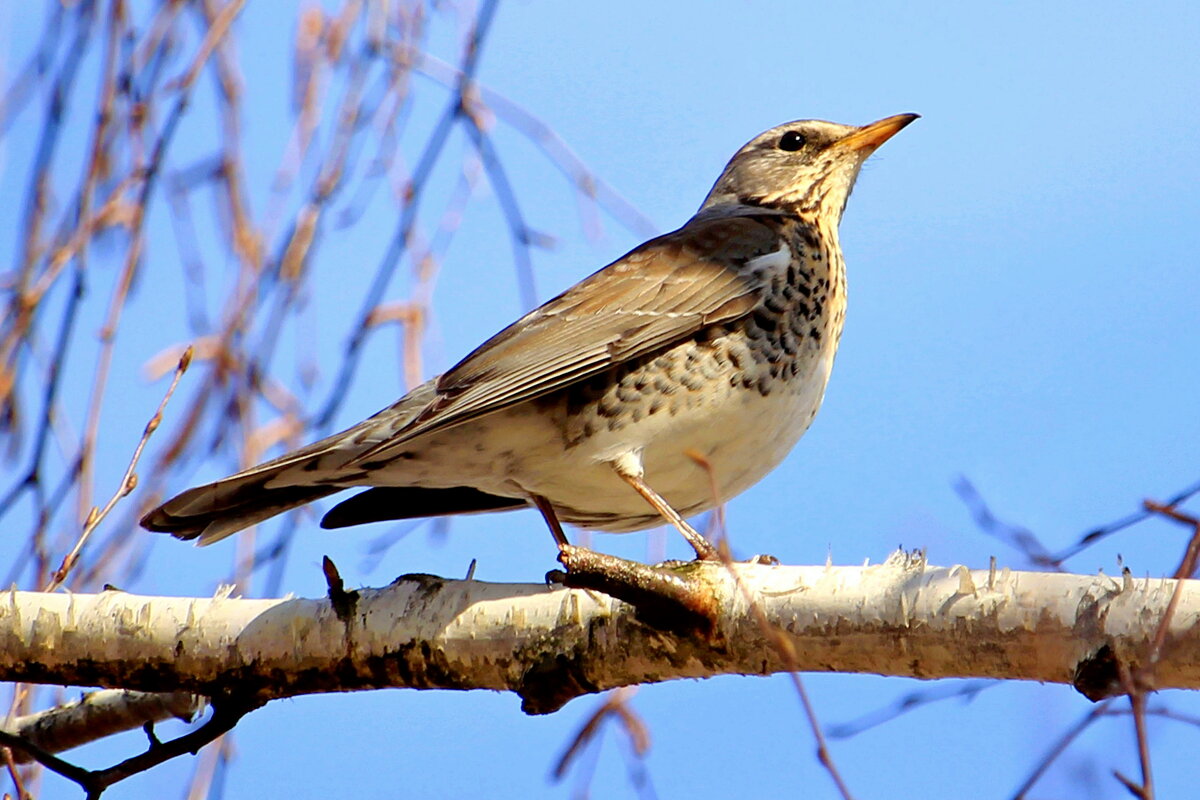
<point>655,296</point>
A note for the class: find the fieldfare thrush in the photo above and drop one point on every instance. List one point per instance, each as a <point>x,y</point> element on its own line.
<point>666,383</point>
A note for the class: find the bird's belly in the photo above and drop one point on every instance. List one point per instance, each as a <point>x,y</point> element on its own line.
<point>697,455</point>
<point>698,450</point>
<point>710,454</point>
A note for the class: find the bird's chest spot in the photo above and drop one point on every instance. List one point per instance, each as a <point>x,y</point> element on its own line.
<point>651,393</point>
<point>782,350</point>
<point>799,319</point>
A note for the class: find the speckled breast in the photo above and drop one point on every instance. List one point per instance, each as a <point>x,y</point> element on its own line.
<point>739,395</point>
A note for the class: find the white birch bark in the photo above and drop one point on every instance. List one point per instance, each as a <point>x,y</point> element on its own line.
<point>549,645</point>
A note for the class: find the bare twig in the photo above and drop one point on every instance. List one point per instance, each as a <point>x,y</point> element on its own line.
<point>128,481</point>
<point>1187,568</point>
<point>615,705</point>
<point>413,191</point>
<point>782,645</point>
<point>1136,692</point>
<point>1060,747</point>
<point>953,690</point>
<point>1021,539</point>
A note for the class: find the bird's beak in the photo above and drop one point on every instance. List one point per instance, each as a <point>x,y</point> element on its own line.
<point>869,137</point>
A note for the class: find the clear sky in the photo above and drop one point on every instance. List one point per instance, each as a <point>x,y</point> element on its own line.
<point>1024,284</point>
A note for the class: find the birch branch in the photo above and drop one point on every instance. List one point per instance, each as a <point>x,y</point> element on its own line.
<point>550,644</point>
<point>97,715</point>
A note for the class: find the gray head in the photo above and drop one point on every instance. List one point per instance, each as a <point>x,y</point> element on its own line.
<point>808,166</point>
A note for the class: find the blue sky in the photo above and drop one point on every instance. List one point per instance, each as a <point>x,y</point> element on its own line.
<point>1023,311</point>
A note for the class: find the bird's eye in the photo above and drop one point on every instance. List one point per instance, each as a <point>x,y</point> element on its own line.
<point>791,141</point>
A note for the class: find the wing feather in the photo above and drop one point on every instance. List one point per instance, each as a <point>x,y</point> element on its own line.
<point>652,298</point>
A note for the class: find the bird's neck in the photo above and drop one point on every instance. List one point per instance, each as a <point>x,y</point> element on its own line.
<point>816,229</point>
<point>817,237</point>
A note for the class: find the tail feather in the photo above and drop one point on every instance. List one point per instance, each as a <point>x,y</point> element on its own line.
<point>216,510</point>
<point>411,502</point>
<point>210,513</point>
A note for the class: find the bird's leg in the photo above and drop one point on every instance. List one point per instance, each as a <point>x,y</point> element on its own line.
<point>704,549</point>
<point>662,598</point>
<point>543,505</point>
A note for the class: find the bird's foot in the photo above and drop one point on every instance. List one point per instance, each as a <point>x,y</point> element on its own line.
<point>676,563</point>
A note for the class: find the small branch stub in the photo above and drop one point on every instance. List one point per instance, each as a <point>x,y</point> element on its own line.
<point>343,602</point>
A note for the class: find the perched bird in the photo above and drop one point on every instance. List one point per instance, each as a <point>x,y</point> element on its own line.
<point>664,384</point>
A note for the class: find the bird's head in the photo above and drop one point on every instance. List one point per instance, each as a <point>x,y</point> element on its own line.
<point>808,166</point>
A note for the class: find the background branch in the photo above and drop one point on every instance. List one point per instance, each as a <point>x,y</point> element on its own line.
<point>97,715</point>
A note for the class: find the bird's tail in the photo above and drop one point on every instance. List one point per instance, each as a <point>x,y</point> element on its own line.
<point>211,512</point>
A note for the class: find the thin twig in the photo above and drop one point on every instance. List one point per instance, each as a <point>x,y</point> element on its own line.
<point>1136,692</point>
<point>784,647</point>
<point>519,233</point>
<point>400,240</point>
<point>1060,747</point>
<point>128,481</point>
<point>1187,568</point>
<point>612,705</point>
<point>778,640</point>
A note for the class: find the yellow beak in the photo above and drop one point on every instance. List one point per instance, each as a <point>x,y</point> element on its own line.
<point>869,137</point>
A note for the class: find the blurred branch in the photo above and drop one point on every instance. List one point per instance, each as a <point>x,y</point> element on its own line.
<point>1031,547</point>
<point>591,188</point>
<point>225,715</point>
<point>617,708</point>
<point>97,715</point>
<point>454,112</point>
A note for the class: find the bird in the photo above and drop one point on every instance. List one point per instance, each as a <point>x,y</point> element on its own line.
<point>655,389</point>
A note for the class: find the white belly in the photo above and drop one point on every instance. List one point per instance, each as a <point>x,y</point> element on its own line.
<point>739,432</point>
